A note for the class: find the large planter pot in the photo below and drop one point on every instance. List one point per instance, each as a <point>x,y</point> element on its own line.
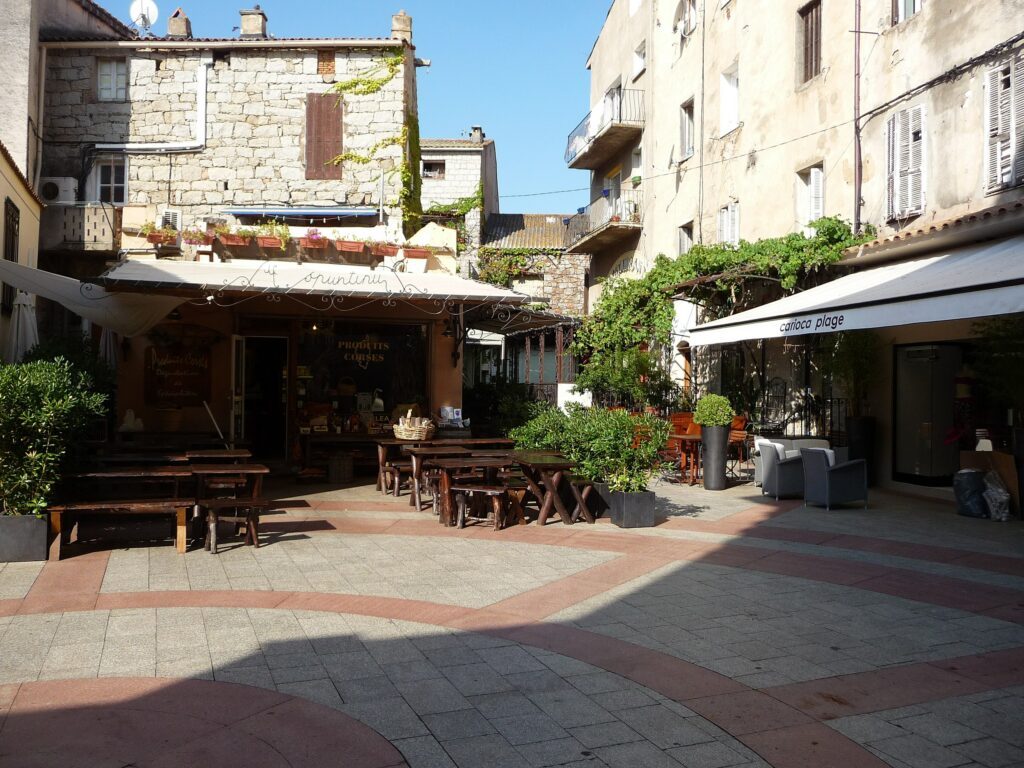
<point>714,447</point>
<point>603,503</point>
<point>24,538</point>
<point>860,432</point>
<point>633,510</point>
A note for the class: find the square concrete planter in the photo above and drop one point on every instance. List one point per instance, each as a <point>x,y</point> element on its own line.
<point>633,510</point>
<point>24,538</point>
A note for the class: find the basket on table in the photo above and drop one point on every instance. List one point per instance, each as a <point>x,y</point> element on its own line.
<point>414,428</point>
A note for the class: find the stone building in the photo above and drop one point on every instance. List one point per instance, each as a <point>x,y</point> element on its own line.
<point>455,170</point>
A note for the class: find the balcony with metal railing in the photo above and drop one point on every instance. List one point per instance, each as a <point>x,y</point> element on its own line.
<point>608,221</point>
<point>81,227</point>
<point>614,125</point>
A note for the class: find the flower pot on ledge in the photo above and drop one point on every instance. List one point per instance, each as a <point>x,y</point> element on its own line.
<point>314,243</point>
<point>269,242</point>
<point>234,241</point>
<point>160,238</point>
<point>416,253</point>
<point>381,249</point>
<point>350,246</point>
<point>204,241</point>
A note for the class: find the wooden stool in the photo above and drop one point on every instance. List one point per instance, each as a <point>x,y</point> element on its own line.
<point>498,496</point>
<point>393,474</point>
<point>239,511</point>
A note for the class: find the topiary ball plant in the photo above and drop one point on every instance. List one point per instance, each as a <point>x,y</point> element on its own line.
<point>713,411</point>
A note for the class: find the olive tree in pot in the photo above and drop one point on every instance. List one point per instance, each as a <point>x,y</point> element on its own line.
<point>714,414</point>
<point>45,407</point>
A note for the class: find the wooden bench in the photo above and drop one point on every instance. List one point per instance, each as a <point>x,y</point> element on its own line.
<point>498,496</point>
<point>179,508</point>
<point>240,511</point>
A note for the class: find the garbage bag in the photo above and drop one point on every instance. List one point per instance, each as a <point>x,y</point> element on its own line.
<point>969,488</point>
<point>997,498</point>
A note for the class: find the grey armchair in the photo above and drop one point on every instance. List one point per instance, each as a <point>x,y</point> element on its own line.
<point>779,476</point>
<point>826,484</point>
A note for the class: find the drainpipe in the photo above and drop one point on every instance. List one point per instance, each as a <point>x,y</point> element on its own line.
<point>857,165</point>
<point>198,144</point>
<point>39,118</point>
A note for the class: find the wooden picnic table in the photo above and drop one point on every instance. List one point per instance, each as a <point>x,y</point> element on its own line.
<point>417,454</point>
<point>221,454</point>
<point>544,473</point>
<point>144,474</point>
<point>249,498</point>
<point>446,466</point>
<point>135,458</point>
<point>384,444</point>
<point>690,455</point>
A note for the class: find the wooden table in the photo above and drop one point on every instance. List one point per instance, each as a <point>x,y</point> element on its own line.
<point>690,446</point>
<point>418,454</point>
<point>143,474</point>
<point>207,474</point>
<point>451,442</point>
<point>382,454</point>
<point>544,473</point>
<point>225,455</point>
<point>132,458</point>
<point>469,462</point>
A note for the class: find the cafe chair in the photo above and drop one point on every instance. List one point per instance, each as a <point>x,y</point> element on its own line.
<point>780,476</point>
<point>827,482</point>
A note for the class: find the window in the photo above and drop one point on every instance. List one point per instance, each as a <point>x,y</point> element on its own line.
<point>433,169</point>
<point>904,9</point>
<point>686,130</point>
<point>905,163</point>
<point>810,197</point>
<point>110,174</point>
<point>637,164</point>
<point>686,18</point>
<point>729,100</point>
<point>323,136</point>
<point>113,79</point>
<point>685,238</point>
<point>810,27</point>
<point>729,223</point>
<point>12,223</point>
<point>1004,126</point>
<point>640,59</point>
<point>325,62</point>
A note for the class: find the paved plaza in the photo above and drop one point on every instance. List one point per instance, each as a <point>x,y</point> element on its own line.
<point>739,632</point>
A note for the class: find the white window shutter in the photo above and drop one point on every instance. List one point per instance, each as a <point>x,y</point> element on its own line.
<point>816,184</point>
<point>891,131</point>
<point>915,167</point>
<point>998,116</point>
<point>1018,120</point>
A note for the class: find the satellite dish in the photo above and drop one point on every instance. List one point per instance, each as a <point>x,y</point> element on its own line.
<point>144,14</point>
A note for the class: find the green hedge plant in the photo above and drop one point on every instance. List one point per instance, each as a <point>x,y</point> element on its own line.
<point>45,407</point>
<point>713,411</point>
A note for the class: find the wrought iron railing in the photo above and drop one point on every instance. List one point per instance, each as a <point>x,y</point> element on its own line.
<point>625,107</point>
<point>624,206</point>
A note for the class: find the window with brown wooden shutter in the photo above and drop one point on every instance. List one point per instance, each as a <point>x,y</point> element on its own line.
<point>810,19</point>
<point>323,135</point>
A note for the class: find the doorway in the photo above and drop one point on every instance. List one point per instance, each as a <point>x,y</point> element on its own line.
<point>266,397</point>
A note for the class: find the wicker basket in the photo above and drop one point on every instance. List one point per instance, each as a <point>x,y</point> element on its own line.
<point>424,432</point>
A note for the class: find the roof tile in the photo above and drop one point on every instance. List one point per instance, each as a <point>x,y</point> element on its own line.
<point>525,230</point>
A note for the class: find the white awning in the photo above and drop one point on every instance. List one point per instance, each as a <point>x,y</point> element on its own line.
<point>289,278</point>
<point>128,314</point>
<point>976,281</point>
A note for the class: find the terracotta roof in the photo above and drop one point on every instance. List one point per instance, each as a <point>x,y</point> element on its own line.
<point>525,230</point>
<point>21,177</point>
<point>975,225</point>
<point>157,42</point>
<point>453,143</point>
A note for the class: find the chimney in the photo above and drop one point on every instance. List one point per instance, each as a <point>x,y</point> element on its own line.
<point>477,134</point>
<point>254,24</point>
<point>179,25</point>
<point>401,27</point>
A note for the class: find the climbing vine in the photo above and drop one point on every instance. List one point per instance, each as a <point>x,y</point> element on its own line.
<point>501,266</point>
<point>721,278</point>
<point>372,80</point>
<point>460,207</point>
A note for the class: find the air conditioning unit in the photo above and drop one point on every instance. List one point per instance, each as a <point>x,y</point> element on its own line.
<point>55,190</point>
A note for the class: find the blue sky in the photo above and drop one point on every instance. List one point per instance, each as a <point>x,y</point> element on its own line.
<point>516,67</point>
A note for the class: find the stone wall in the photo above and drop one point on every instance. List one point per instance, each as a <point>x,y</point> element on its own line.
<point>256,127</point>
<point>462,177</point>
<point>565,284</point>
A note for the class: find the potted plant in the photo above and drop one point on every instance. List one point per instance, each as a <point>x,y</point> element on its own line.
<point>314,239</point>
<point>383,249</point>
<point>714,414</point>
<point>45,409</point>
<point>350,246</point>
<point>158,235</point>
<point>273,234</point>
<point>416,253</point>
<point>234,238</point>
<point>196,236</point>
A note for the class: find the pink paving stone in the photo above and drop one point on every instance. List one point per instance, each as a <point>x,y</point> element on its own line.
<point>746,712</point>
<point>842,572</point>
<point>163,723</point>
<point>943,590</point>
<point>836,697</point>
<point>67,585</point>
<point>10,607</point>
<point>801,746</point>
<point>998,669</point>
<point>181,599</point>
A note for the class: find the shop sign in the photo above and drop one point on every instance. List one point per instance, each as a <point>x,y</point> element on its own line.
<point>364,352</point>
<point>823,323</point>
<point>177,376</point>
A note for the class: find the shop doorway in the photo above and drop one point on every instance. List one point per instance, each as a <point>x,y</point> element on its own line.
<point>926,444</point>
<point>265,412</point>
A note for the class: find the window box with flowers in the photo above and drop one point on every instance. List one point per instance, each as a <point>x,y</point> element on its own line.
<point>383,249</point>
<point>234,238</point>
<point>350,246</point>
<point>159,235</point>
<point>273,235</point>
<point>416,253</point>
<point>314,239</point>
<point>196,236</point>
